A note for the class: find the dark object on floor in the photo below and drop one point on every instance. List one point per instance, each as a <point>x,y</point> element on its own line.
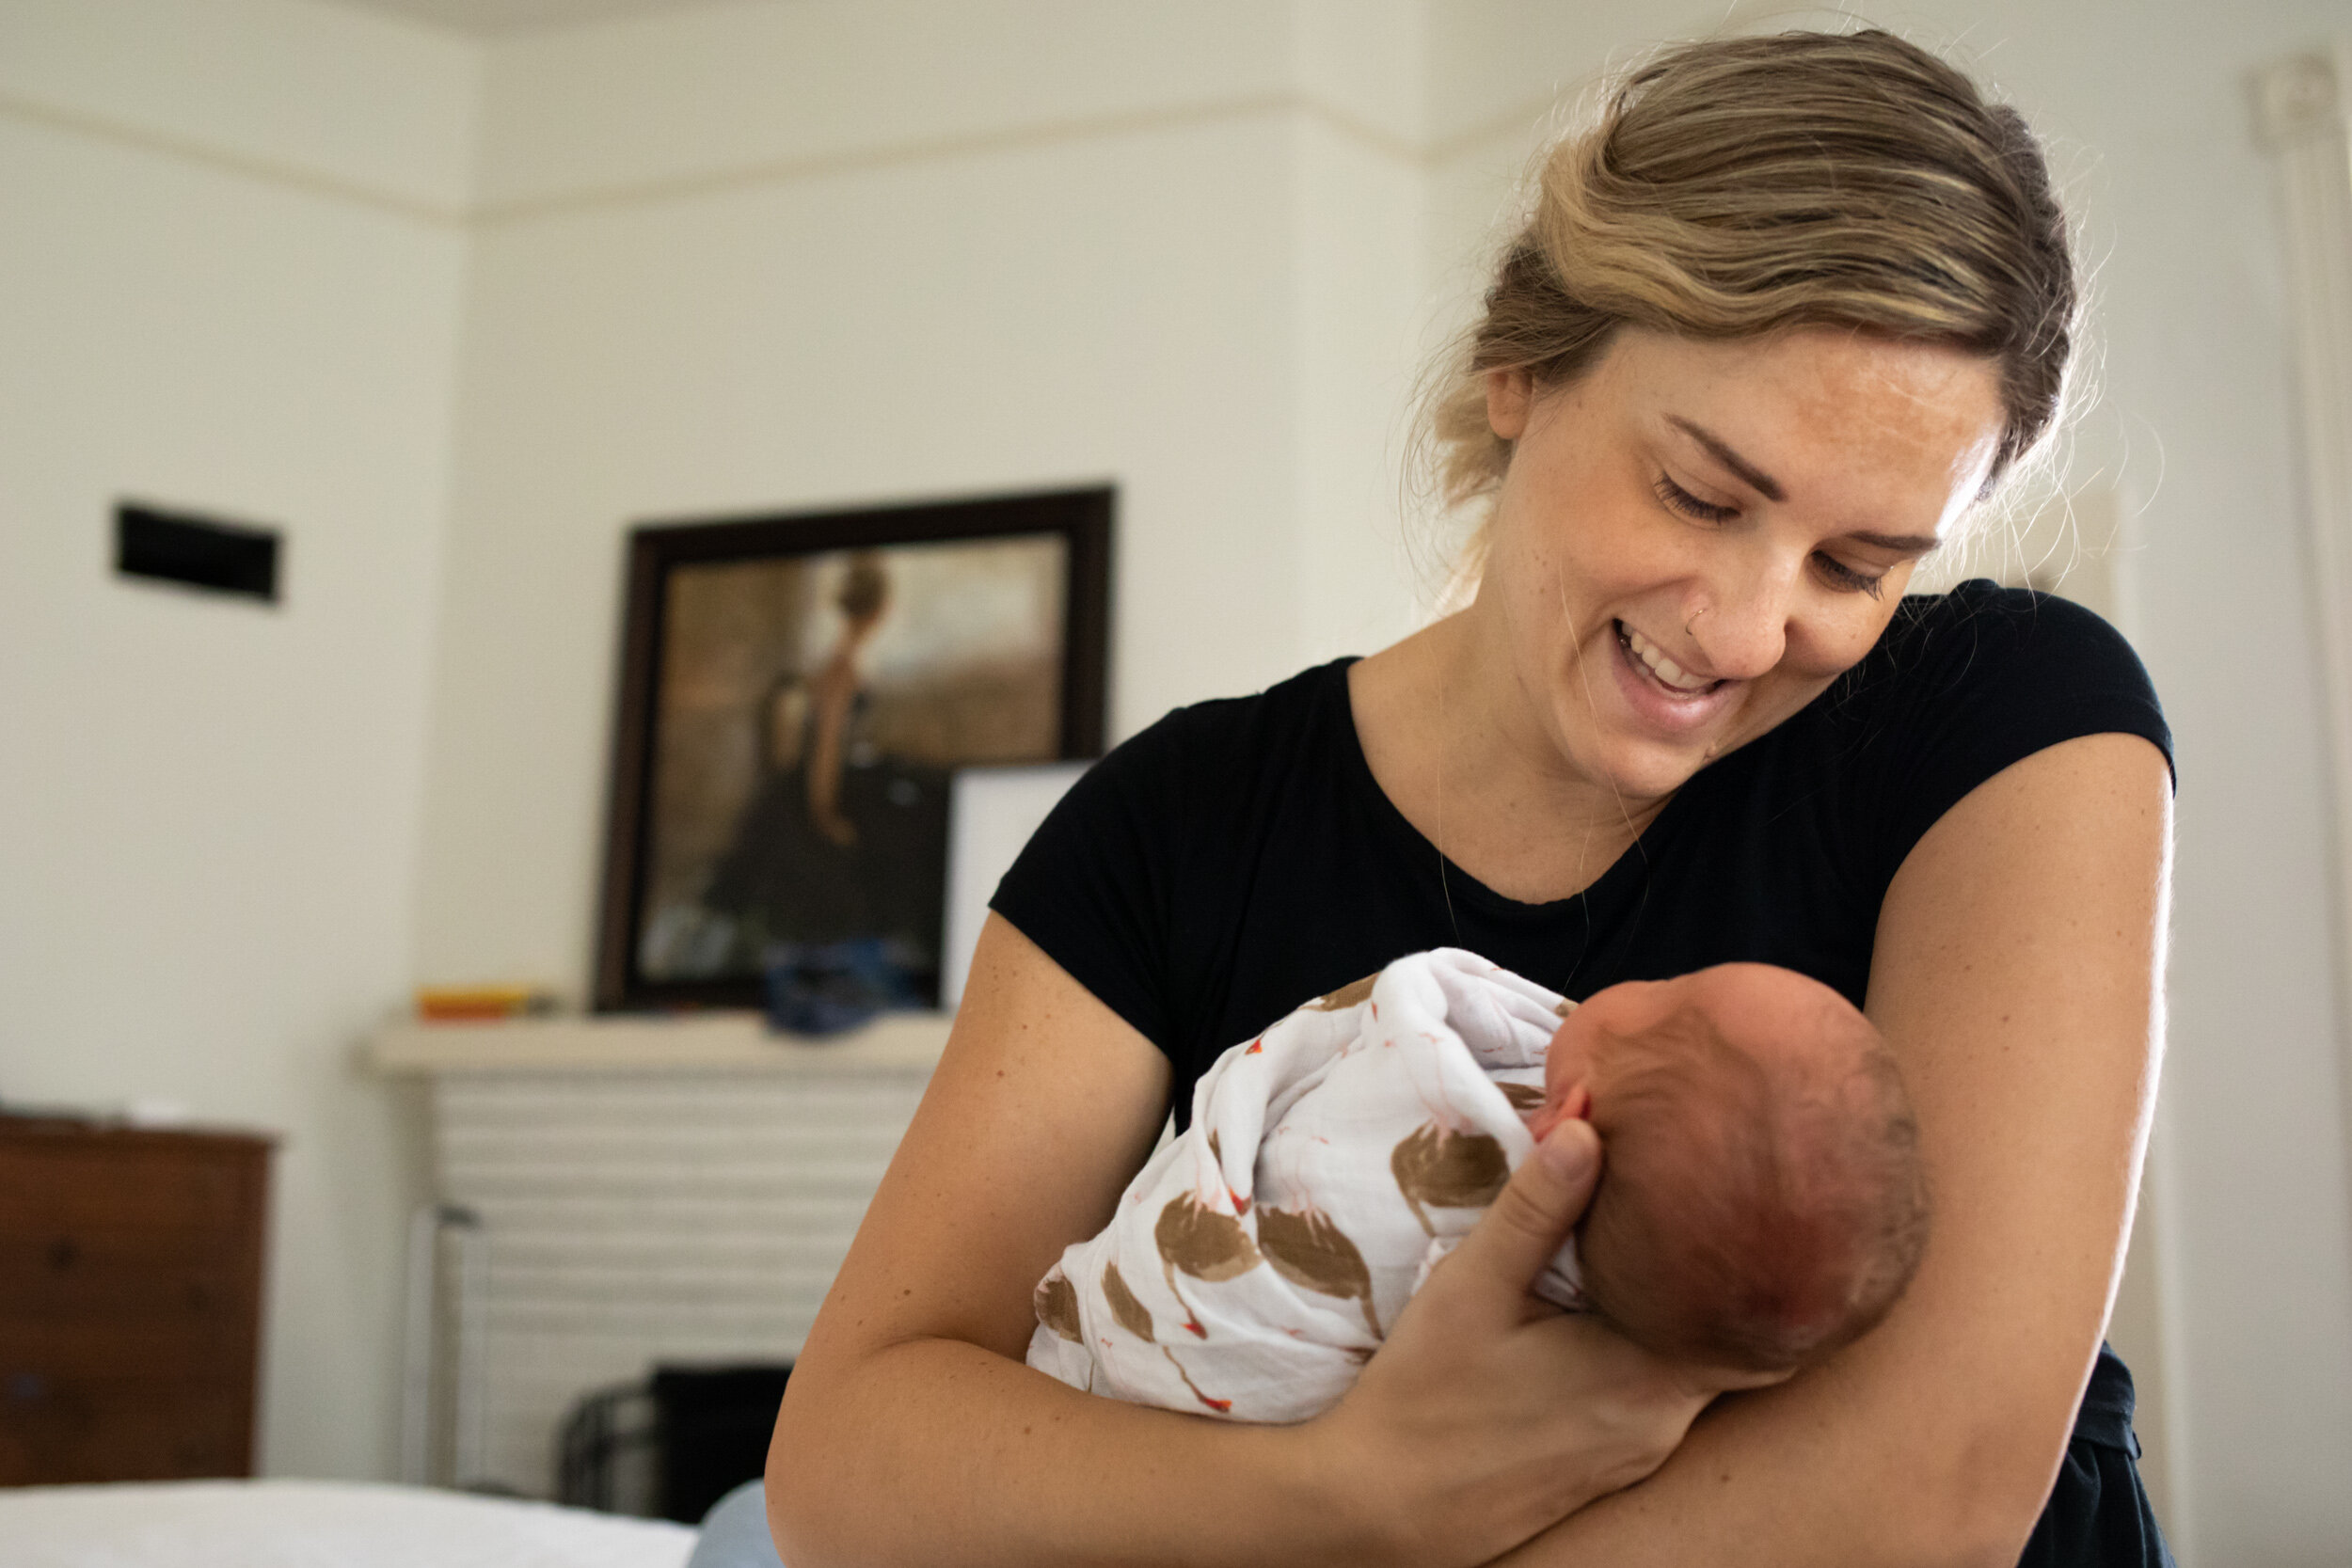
<point>605,1430</point>
<point>714,1425</point>
<point>702,1432</point>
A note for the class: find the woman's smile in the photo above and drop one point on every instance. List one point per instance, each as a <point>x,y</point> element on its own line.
<point>1661,692</point>
<point>1693,540</point>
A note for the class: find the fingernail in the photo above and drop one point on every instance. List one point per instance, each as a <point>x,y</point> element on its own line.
<point>1567,1152</point>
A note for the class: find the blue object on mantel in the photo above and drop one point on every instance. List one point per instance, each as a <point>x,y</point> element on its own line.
<point>818,989</point>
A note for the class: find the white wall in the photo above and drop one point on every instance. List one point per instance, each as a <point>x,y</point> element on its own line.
<point>1360,301</point>
<point>221,285</point>
<point>2149,106</point>
<point>765,258</point>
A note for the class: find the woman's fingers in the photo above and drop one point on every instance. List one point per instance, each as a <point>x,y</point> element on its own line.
<point>1526,1224</point>
<point>1487,1416</point>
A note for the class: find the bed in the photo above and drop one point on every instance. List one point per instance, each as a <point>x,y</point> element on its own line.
<point>317,1524</point>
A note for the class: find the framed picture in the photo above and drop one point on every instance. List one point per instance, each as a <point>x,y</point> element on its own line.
<point>796,693</point>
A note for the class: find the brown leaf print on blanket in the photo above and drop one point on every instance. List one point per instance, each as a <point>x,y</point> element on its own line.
<point>1057,1305</point>
<point>1523,1097</point>
<point>1202,1242</point>
<point>1448,1170</point>
<point>1313,1254</point>
<point>1135,1319</point>
<point>1130,1314</point>
<point>1347,996</point>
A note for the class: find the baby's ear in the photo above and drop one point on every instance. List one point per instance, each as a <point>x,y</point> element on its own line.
<point>1575,1103</point>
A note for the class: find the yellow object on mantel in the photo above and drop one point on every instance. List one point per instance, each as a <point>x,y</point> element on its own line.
<point>475,1004</point>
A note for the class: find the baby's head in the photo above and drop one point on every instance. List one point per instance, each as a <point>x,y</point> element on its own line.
<point>1761,1201</point>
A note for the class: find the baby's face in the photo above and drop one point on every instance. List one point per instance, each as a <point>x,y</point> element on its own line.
<point>1767,1009</point>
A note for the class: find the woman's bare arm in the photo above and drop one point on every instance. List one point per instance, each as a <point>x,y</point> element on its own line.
<point>913,1432</point>
<point>2016,973</point>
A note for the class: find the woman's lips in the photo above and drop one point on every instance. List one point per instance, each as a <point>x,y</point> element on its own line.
<point>1657,702</point>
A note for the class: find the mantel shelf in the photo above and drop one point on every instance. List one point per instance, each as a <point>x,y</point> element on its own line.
<point>627,1042</point>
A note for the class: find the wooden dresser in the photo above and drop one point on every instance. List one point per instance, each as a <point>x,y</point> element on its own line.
<point>130,1301</point>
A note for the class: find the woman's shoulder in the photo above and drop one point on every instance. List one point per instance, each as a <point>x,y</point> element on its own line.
<point>1962,685</point>
<point>1991,670</point>
<point>1981,635</point>
<point>1231,738</point>
<point>1285,704</point>
<point>1131,871</point>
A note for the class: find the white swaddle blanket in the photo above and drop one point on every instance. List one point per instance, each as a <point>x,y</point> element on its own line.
<point>1256,1262</point>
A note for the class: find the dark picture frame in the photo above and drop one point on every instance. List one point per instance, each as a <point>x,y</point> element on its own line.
<point>724,656</point>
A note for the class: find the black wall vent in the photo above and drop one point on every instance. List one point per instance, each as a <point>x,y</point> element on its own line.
<point>200,552</point>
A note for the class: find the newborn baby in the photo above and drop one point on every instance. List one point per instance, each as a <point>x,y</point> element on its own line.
<point>1760,1201</point>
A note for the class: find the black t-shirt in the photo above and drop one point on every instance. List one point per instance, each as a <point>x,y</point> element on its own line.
<point>1237,858</point>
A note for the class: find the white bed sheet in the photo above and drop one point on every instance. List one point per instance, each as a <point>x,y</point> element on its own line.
<point>316,1524</point>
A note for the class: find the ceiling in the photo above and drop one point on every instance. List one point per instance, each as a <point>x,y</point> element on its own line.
<point>489,18</point>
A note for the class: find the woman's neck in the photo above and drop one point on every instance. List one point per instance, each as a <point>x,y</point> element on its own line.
<point>1451,744</point>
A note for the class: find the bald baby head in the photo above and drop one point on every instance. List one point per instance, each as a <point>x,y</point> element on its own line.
<point>1761,1201</point>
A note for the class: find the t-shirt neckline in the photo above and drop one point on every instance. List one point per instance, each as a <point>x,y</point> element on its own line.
<point>1617,881</point>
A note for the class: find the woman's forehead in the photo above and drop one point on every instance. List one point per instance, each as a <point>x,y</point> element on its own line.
<point>1831,416</point>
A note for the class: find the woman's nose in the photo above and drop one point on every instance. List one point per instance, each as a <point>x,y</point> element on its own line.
<point>1741,624</point>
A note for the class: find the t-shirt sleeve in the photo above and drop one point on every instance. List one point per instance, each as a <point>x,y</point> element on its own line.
<point>1094,885</point>
<point>1998,675</point>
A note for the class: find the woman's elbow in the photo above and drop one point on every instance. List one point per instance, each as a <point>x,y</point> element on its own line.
<point>804,1498</point>
<point>1979,1507</point>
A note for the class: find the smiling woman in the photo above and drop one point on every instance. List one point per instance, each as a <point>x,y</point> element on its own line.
<point>1676,599</point>
<point>1780,318</point>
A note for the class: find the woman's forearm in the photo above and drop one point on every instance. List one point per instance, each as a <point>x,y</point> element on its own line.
<point>1822,1474</point>
<point>940,1453</point>
<point>912,1433</point>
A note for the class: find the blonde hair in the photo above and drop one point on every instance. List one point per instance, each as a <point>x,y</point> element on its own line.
<point>1739,187</point>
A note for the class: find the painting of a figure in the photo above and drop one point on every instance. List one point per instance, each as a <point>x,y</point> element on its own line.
<point>804,712</point>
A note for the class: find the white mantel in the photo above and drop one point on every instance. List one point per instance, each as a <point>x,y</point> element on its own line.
<point>645,1042</point>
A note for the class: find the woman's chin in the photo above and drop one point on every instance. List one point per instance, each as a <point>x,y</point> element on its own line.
<point>1643,771</point>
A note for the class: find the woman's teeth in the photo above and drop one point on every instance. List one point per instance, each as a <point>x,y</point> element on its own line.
<point>1666,670</point>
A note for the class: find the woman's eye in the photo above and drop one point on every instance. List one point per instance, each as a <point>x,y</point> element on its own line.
<point>1846,578</point>
<point>1690,505</point>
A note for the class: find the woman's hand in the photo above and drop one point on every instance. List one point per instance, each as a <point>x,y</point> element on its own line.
<point>1490,1415</point>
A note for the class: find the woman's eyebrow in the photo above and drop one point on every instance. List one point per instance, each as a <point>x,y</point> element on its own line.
<point>1902,544</point>
<point>1756,479</point>
<point>1770,488</point>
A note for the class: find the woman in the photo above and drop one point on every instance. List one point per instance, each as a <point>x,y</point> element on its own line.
<point>1778,322</point>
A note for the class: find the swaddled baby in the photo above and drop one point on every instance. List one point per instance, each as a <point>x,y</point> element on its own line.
<point>1760,1202</point>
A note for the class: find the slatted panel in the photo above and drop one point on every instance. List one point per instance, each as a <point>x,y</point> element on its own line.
<point>634,1217</point>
